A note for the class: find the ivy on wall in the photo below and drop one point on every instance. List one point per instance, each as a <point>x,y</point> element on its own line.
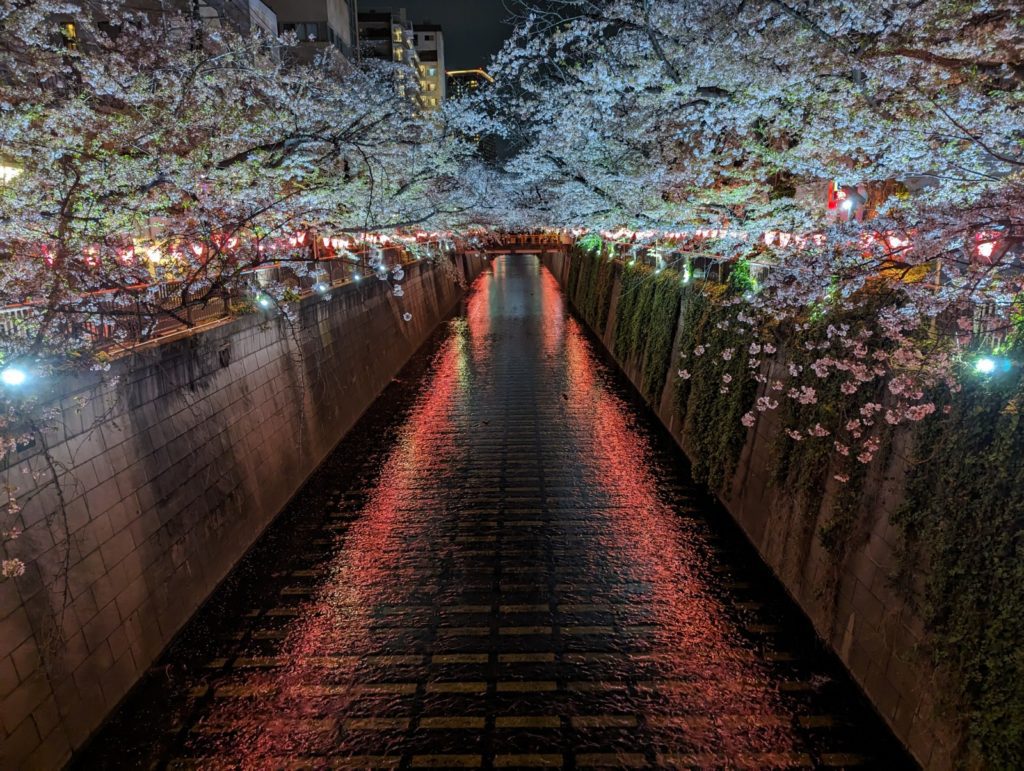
<point>572,281</point>
<point>626,311</point>
<point>804,467</point>
<point>603,294</point>
<point>645,323</point>
<point>660,332</point>
<point>592,279</point>
<point>715,391</point>
<point>963,516</point>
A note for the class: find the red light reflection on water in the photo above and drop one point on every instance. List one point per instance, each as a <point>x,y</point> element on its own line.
<point>321,671</point>
<point>553,309</point>
<point>647,541</point>
<point>294,710</point>
<point>478,313</point>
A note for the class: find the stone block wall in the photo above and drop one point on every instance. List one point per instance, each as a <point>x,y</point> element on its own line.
<point>150,481</point>
<point>865,619</point>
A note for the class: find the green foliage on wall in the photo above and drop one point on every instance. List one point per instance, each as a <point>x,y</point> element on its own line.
<point>639,321</point>
<point>645,323</point>
<point>595,279</point>
<point>741,278</point>
<point>963,516</point>
<point>572,281</point>
<point>630,287</point>
<point>583,297</point>
<point>591,243</point>
<point>603,294</point>
<point>718,391</point>
<point>804,467</point>
<point>660,332</point>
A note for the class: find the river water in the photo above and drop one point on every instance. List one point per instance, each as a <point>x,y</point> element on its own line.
<point>505,564</point>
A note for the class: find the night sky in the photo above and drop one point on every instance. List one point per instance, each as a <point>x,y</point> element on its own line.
<point>473,29</point>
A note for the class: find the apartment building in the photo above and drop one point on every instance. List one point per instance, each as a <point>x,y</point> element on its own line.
<point>317,24</point>
<point>428,40</point>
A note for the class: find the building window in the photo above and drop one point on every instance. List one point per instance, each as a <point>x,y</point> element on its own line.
<point>307,31</point>
<point>428,37</point>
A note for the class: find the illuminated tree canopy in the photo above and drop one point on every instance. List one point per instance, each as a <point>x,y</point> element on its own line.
<point>847,151</point>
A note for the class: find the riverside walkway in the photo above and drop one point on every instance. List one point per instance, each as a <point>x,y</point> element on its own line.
<point>505,564</point>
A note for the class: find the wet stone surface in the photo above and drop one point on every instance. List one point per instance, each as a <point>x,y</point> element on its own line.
<point>505,564</point>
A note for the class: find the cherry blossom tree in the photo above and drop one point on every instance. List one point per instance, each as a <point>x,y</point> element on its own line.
<point>155,164</point>
<point>650,119</point>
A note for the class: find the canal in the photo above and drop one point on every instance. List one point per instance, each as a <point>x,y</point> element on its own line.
<point>505,564</point>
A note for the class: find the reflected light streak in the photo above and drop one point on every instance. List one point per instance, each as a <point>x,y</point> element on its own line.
<point>368,572</point>
<point>651,542</point>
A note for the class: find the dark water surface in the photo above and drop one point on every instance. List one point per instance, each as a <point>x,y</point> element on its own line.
<point>505,564</point>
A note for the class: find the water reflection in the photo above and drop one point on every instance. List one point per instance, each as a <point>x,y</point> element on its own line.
<point>512,570</point>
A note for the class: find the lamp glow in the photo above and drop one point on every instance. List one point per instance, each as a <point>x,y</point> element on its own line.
<point>263,301</point>
<point>7,173</point>
<point>13,376</point>
<point>321,287</point>
<point>985,365</point>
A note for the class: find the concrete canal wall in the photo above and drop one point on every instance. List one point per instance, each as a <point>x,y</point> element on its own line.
<point>169,466</point>
<point>865,620</point>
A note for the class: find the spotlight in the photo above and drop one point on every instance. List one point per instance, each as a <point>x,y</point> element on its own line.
<point>321,287</point>
<point>264,301</point>
<point>988,365</point>
<point>13,376</point>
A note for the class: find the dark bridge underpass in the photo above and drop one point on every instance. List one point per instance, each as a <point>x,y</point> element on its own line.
<point>505,564</point>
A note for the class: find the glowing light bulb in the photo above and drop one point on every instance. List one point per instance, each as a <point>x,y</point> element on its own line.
<point>985,365</point>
